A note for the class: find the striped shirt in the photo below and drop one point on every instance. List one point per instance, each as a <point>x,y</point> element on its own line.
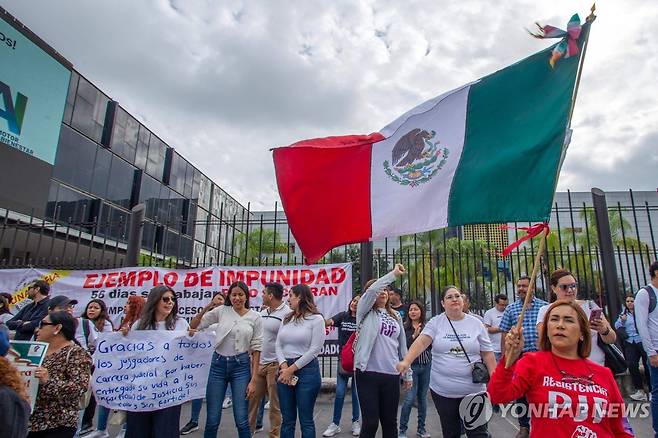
<point>426,356</point>
<point>511,317</point>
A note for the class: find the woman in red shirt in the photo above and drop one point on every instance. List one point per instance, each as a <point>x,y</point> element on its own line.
<point>568,394</point>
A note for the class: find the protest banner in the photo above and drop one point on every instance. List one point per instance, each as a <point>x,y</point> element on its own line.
<point>330,284</point>
<point>27,356</point>
<point>149,370</point>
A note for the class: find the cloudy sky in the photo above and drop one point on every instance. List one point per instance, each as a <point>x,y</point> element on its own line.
<point>225,81</point>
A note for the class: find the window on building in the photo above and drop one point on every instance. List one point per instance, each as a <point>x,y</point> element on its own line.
<point>156,158</point>
<point>205,187</point>
<point>75,159</point>
<point>198,253</point>
<point>176,212</point>
<point>172,240</point>
<point>185,249</point>
<point>120,185</point>
<point>149,194</point>
<point>201,225</point>
<point>162,214</point>
<point>189,181</point>
<point>189,217</point>
<point>141,154</point>
<point>196,185</point>
<point>89,110</point>
<point>70,97</point>
<point>101,173</point>
<point>74,207</point>
<point>124,135</point>
<point>177,175</point>
<point>52,200</point>
<point>113,223</point>
<point>213,232</point>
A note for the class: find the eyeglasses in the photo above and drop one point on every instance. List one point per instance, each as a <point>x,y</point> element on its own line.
<point>568,286</point>
<point>169,299</point>
<point>44,323</point>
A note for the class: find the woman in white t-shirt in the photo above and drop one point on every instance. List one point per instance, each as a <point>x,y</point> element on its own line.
<point>449,334</point>
<point>564,286</point>
<point>160,313</point>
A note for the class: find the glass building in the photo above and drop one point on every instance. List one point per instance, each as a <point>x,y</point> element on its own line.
<point>105,163</point>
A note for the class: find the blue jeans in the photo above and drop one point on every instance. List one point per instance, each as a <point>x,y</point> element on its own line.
<point>341,389</point>
<point>654,399</point>
<point>235,370</point>
<point>103,414</point>
<point>196,410</point>
<point>421,375</point>
<point>300,400</point>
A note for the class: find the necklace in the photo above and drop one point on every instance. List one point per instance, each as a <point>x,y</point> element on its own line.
<point>570,378</point>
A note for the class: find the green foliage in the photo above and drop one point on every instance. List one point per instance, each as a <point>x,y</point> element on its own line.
<point>259,246</point>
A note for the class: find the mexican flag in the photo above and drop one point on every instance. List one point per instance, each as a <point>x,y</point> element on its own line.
<point>487,152</point>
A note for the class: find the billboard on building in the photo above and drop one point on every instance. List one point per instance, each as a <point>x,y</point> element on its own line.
<point>33,88</point>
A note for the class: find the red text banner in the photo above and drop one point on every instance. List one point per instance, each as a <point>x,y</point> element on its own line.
<point>330,284</point>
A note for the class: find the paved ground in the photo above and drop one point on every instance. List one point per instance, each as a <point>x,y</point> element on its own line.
<point>498,426</point>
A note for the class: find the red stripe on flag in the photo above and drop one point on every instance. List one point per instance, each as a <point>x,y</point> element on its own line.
<point>324,186</point>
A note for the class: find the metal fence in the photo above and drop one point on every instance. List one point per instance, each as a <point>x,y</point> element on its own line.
<point>463,256</point>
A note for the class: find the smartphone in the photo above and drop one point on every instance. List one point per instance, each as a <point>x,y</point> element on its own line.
<point>595,315</point>
<point>293,380</point>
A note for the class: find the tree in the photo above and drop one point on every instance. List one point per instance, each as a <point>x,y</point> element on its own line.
<point>259,245</point>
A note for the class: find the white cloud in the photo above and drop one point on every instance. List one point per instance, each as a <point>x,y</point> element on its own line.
<point>223,82</point>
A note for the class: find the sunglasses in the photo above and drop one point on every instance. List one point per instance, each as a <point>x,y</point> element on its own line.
<point>568,286</point>
<point>45,323</point>
<point>169,299</point>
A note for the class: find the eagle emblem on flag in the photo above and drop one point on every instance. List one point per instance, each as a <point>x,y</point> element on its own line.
<point>415,158</point>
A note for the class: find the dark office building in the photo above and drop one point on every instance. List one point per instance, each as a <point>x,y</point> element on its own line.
<point>73,163</point>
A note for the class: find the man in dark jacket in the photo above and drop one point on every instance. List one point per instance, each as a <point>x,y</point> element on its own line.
<point>27,320</point>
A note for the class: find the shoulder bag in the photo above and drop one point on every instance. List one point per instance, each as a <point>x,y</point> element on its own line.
<point>479,370</point>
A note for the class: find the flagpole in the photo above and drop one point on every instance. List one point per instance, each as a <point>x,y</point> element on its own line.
<point>590,19</point>
<point>531,289</point>
<point>542,243</point>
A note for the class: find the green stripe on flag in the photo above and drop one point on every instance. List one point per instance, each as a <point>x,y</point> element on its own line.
<point>515,127</point>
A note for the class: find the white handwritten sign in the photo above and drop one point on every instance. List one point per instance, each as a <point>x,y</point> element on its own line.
<point>150,369</point>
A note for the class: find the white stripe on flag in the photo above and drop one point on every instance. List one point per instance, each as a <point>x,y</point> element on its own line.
<point>414,200</point>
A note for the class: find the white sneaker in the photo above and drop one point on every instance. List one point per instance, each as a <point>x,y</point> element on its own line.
<point>356,428</point>
<point>98,434</point>
<point>639,395</point>
<point>227,403</point>
<point>424,434</point>
<point>332,430</point>
<point>267,405</point>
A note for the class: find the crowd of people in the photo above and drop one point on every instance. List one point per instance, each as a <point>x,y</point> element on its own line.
<point>552,368</point>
